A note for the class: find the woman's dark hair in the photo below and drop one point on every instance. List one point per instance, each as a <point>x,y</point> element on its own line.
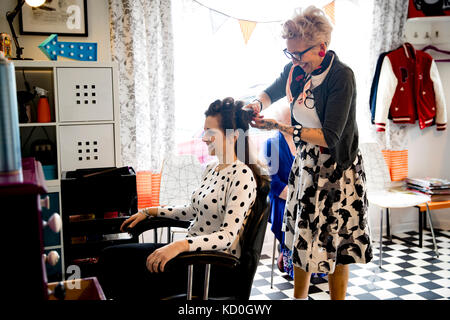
<point>232,116</point>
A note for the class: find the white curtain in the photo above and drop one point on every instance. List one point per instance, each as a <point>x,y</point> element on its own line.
<point>142,45</point>
<point>389,20</point>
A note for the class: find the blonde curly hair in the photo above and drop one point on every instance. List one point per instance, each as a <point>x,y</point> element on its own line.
<point>310,25</point>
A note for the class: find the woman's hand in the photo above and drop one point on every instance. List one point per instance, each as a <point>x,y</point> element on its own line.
<point>135,219</point>
<point>255,106</point>
<point>158,259</point>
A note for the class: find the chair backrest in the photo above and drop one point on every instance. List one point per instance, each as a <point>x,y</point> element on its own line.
<point>180,176</point>
<point>375,167</point>
<point>252,240</point>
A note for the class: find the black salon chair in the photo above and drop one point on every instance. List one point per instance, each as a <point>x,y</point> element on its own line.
<point>242,268</point>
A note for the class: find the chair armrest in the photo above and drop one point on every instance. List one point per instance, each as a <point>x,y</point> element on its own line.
<point>155,223</point>
<point>203,257</point>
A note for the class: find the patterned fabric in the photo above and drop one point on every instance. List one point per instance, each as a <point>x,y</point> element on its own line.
<point>389,20</point>
<point>142,45</point>
<point>287,262</point>
<point>326,212</point>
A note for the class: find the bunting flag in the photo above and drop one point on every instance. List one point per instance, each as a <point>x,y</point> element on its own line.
<point>247,28</point>
<point>329,10</point>
<point>217,20</point>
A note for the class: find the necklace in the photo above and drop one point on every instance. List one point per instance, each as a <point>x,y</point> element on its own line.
<point>220,167</point>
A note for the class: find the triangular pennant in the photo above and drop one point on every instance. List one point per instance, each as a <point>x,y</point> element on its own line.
<point>329,10</point>
<point>217,20</point>
<point>247,28</point>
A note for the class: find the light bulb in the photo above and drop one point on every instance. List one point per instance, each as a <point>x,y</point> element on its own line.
<point>35,3</point>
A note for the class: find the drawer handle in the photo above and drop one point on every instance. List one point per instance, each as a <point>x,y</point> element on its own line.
<point>54,223</point>
<point>52,258</point>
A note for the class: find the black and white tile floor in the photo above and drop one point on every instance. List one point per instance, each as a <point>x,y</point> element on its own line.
<point>408,273</point>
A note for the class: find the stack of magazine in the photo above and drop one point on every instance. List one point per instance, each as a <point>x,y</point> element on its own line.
<point>437,189</point>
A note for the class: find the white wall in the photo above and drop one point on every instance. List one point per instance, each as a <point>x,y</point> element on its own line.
<point>429,150</point>
<point>98,31</point>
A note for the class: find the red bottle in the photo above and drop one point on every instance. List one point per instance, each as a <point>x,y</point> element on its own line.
<point>43,108</point>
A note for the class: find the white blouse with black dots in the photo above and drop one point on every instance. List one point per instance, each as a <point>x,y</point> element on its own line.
<point>218,208</point>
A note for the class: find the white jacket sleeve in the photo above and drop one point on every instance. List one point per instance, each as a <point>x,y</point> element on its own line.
<point>441,108</point>
<point>387,84</point>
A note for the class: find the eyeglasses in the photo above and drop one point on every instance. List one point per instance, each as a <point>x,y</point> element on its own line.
<point>308,99</point>
<point>297,56</point>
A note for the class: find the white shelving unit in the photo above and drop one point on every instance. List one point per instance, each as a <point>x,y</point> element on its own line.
<point>83,97</point>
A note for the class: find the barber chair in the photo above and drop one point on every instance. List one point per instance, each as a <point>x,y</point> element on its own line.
<point>244,268</point>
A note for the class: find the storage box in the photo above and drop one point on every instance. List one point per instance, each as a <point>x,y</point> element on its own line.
<point>87,146</point>
<point>112,190</point>
<point>50,172</point>
<point>80,289</point>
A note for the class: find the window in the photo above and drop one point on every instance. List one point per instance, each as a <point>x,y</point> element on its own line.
<point>213,65</point>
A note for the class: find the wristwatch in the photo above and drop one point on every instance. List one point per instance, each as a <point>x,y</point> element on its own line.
<point>297,133</point>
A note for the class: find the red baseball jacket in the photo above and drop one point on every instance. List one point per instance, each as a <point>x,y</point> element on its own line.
<point>410,89</point>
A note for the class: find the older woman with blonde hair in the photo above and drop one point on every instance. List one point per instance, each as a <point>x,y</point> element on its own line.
<point>325,219</point>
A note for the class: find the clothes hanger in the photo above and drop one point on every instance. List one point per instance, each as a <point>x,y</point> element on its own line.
<point>431,47</point>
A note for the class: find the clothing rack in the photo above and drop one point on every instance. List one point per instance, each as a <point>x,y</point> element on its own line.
<point>431,47</point>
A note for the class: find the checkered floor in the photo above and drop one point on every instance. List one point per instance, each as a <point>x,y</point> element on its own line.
<point>408,273</point>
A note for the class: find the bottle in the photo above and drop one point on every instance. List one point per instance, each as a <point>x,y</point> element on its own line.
<point>10,153</point>
<point>43,108</point>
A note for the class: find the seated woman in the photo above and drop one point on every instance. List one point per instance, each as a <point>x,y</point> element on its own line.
<point>218,210</point>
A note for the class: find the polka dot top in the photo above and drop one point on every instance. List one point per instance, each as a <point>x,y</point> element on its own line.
<point>218,208</point>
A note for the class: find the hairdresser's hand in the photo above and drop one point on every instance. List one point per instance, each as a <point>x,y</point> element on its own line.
<point>265,124</point>
<point>136,218</point>
<point>255,106</point>
<point>158,259</point>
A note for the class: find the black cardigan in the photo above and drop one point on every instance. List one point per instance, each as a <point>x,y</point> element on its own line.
<point>335,104</point>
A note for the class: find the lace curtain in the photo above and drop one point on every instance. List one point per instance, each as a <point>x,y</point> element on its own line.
<point>389,20</point>
<point>142,45</point>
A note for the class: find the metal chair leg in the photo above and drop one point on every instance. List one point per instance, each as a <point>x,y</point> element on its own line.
<point>432,230</point>
<point>381,237</point>
<point>206,284</point>
<point>388,224</point>
<point>273,261</point>
<point>420,228</point>
<point>189,284</point>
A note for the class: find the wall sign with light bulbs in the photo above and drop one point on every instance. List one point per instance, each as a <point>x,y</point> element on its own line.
<point>82,51</point>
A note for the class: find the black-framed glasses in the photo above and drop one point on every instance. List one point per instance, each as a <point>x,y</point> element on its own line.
<point>297,56</point>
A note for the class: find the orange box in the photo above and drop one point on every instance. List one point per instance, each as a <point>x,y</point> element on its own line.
<point>89,289</point>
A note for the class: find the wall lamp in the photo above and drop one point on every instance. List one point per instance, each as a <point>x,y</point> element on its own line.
<point>10,15</point>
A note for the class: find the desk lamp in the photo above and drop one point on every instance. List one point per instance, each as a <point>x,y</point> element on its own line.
<point>10,15</point>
